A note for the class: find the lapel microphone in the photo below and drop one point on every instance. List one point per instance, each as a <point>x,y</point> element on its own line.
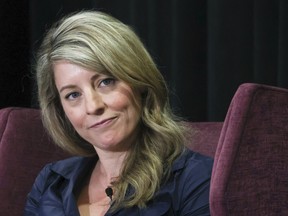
<point>109,192</point>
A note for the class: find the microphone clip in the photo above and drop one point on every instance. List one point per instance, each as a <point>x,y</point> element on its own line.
<point>109,192</point>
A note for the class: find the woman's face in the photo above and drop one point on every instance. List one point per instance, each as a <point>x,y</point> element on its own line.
<point>102,109</point>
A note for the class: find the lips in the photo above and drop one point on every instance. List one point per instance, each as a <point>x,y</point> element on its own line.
<point>102,122</point>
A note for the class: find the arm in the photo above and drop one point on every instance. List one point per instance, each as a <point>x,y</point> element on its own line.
<point>196,188</point>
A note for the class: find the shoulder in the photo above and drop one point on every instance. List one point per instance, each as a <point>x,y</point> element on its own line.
<point>192,183</point>
<point>64,168</point>
<point>53,177</point>
<point>186,192</point>
<point>196,170</point>
<point>191,162</point>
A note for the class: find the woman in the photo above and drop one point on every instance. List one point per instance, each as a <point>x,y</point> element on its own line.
<point>104,100</point>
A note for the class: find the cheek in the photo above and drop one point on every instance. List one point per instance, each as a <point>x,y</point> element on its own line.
<point>118,102</point>
<point>128,107</point>
<point>74,117</point>
<point>123,97</point>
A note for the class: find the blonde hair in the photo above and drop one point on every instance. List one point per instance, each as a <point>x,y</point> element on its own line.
<point>99,42</point>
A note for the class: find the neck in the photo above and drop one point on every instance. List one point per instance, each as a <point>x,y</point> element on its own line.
<point>108,166</point>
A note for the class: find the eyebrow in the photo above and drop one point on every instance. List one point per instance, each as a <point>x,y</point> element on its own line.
<point>67,87</point>
<point>92,79</point>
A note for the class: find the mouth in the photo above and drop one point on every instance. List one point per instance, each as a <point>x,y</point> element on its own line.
<point>102,122</point>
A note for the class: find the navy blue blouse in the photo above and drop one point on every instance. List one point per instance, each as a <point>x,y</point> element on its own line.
<point>185,193</point>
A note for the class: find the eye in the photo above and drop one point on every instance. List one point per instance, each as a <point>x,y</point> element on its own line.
<point>106,82</point>
<point>72,95</point>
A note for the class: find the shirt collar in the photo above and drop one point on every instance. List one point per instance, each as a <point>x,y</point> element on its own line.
<point>72,167</point>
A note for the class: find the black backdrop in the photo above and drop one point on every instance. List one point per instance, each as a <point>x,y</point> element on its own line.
<point>204,48</point>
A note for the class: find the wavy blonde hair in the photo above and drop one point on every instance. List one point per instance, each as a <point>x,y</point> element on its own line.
<point>97,41</point>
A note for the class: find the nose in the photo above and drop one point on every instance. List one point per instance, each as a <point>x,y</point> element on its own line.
<point>94,103</point>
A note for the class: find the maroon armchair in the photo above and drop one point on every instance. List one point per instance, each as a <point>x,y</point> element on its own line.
<point>250,173</point>
<point>251,160</point>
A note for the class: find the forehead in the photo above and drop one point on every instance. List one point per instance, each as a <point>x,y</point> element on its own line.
<point>70,67</point>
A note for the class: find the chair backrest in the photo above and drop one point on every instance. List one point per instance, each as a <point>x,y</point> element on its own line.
<point>251,162</point>
<point>203,137</point>
<point>25,148</point>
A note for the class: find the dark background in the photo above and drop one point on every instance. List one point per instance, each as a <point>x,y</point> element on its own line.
<point>204,48</point>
